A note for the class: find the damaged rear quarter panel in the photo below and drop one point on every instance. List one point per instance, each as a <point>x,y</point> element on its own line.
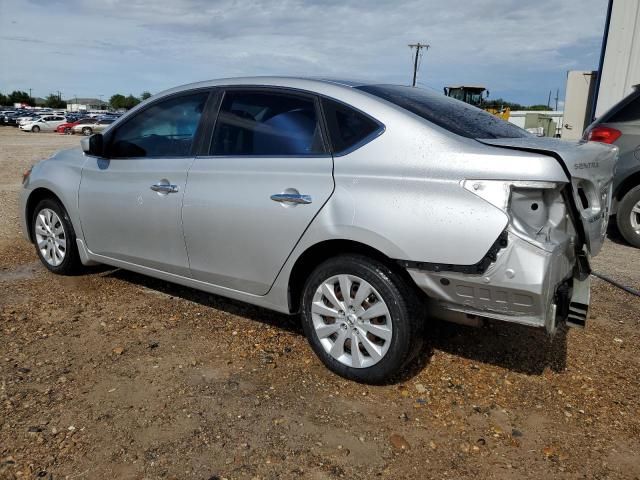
<point>591,167</point>
<point>413,196</point>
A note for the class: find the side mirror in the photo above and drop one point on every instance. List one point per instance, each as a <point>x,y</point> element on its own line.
<point>93,145</point>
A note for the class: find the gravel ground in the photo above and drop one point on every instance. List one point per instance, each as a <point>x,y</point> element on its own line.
<point>115,375</point>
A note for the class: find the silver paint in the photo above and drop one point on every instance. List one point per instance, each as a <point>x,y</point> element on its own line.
<point>402,194</point>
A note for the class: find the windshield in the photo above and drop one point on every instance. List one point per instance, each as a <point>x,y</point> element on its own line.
<point>448,113</point>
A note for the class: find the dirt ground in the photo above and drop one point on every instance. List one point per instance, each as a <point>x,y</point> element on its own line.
<point>113,375</point>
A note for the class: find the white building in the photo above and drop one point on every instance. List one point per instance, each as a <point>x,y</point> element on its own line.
<point>591,93</point>
<point>620,58</point>
<point>518,117</point>
<point>85,104</point>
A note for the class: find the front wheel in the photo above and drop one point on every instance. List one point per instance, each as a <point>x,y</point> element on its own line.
<point>628,217</point>
<point>361,318</point>
<point>54,238</point>
<point>87,131</point>
<point>35,129</point>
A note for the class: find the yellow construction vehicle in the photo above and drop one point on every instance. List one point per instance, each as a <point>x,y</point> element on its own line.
<point>502,113</point>
<point>475,95</point>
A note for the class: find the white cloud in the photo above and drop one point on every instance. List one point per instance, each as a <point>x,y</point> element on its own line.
<point>519,50</point>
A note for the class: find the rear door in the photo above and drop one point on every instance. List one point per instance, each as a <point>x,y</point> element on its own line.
<point>249,199</point>
<point>55,122</point>
<point>47,124</point>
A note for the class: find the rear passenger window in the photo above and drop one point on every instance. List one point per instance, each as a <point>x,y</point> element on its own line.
<point>266,123</point>
<point>347,127</point>
<point>164,129</point>
<point>446,112</point>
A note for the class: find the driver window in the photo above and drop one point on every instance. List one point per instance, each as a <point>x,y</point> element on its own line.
<point>165,129</point>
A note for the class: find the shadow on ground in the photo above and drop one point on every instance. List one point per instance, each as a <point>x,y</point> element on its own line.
<point>614,234</point>
<point>514,347</point>
<point>233,307</point>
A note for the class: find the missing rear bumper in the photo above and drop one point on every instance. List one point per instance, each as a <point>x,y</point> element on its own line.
<point>526,284</point>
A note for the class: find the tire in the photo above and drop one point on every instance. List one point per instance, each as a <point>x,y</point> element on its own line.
<point>401,319</point>
<point>87,131</point>
<point>628,217</point>
<point>67,131</point>
<point>35,129</point>
<point>46,229</point>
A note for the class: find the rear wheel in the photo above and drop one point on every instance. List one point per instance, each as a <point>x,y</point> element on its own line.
<point>361,318</point>
<point>628,217</point>
<point>87,131</point>
<point>54,238</point>
<point>35,129</point>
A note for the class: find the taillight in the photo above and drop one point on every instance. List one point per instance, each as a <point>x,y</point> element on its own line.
<point>603,134</point>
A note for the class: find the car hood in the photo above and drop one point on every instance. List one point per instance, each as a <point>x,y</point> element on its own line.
<point>590,167</point>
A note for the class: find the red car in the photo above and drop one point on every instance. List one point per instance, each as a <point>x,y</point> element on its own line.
<point>65,128</point>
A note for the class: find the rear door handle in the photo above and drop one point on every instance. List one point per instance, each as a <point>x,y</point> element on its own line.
<point>291,198</point>
<point>165,188</point>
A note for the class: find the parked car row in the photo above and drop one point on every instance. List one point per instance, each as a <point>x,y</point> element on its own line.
<point>85,126</point>
<point>56,121</point>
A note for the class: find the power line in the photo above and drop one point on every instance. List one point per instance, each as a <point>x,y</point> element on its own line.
<point>418,46</point>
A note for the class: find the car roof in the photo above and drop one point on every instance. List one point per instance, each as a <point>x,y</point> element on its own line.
<point>316,84</point>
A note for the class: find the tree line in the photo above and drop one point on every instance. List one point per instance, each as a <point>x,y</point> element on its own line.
<point>116,101</point>
<point>17,96</point>
<point>499,103</point>
<point>119,101</point>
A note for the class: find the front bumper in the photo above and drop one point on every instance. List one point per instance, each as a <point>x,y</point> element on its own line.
<point>526,284</point>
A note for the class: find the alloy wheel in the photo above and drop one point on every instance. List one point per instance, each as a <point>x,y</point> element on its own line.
<point>50,237</point>
<point>635,218</point>
<point>352,321</point>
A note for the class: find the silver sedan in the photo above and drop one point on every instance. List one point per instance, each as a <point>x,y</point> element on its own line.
<point>90,126</point>
<point>367,208</point>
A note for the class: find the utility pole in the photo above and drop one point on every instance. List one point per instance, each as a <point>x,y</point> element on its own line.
<point>418,46</point>
<point>549,100</point>
<point>557,95</point>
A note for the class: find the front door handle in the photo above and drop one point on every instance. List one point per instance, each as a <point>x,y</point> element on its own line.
<point>291,198</point>
<point>165,188</point>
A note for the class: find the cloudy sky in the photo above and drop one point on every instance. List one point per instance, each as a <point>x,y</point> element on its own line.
<point>518,49</point>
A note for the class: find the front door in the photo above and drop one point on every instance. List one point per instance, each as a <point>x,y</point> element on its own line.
<point>131,201</point>
<point>249,201</point>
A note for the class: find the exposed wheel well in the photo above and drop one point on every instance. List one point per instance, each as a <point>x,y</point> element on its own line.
<point>36,196</point>
<point>322,251</point>
<point>630,182</point>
